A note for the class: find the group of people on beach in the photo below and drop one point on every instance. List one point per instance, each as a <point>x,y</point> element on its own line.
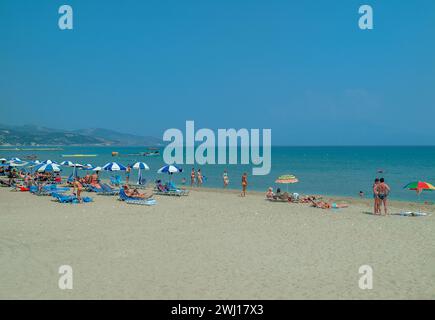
<point>381,190</point>
<point>196,177</point>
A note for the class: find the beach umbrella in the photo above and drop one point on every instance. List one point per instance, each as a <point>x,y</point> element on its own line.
<point>114,166</point>
<point>3,160</point>
<point>141,166</point>
<point>88,166</point>
<point>15,160</point>
<point>169,169</point>
<point>67,163</point>
<point>97,169</point>
<point>33,164</point>
<point>419,186</point>
<point>286,179</point>
<point>75,166</point>
<point>49,162</point>
<point>48,167</point>
<point>17,163</point>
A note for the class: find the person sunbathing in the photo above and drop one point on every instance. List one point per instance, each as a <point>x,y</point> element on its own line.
<point>327,205</point>
<point>281,196</point>
<point>134,193</point>
<point>269,193</point>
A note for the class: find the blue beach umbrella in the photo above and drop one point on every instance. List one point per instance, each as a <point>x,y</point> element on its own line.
<point>33,164</point>
<point>141,166</point>
<point>114,166</point>
<point>50,167</point>
<point>170,169</point>
<point>16,162</point>
<point>49,162</point>
<point>67,163</point>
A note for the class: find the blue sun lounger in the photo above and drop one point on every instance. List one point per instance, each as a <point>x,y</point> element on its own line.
<point>132,200</point>
<point>69,198</point>
<point>103,191</point>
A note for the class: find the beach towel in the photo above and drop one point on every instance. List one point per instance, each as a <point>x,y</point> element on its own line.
<point>412,214</point>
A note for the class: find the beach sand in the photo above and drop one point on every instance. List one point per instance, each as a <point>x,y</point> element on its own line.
<point>211,245</point>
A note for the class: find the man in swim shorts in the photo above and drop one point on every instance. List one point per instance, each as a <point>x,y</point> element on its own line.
<point>383,190</point>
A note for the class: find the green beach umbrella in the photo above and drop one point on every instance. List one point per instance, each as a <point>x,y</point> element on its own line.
<point>287,179</point>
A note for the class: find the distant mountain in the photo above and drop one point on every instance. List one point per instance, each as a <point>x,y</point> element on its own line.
<point>124,139</point>
<point>30,135</point>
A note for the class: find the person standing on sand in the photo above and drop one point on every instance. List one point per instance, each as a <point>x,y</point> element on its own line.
<point>77,188</point>
<point>244,184</point>
<point>199,178</point>
<point>226,179</point>
<point>383,192</point>
<point>192,177</point>
<point>376,207</point>
<point>127,174</point>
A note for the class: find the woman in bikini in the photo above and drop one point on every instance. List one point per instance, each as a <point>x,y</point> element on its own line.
<point>192,177</point>
<point>244,184</point>
<point>78,187</point>
<point>199,177</point>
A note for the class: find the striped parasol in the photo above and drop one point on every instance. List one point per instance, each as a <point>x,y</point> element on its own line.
<point>287,179</point>
<point>114,166</point>
<point>48,167</point>
<point>419,186</point>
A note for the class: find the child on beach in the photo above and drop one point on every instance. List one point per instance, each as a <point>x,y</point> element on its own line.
<point>244,184</point>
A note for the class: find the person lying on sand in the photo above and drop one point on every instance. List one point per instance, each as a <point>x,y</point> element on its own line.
<point>326,205</point>
<point>269,193</point>
<point>134,193</point>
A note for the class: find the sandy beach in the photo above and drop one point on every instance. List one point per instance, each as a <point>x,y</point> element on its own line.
<point>211,245</point>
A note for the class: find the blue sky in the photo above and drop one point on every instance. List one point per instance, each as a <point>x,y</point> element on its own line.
<point>302,68</point>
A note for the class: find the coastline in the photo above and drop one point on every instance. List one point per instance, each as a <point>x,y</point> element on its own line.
<point>211,245</point>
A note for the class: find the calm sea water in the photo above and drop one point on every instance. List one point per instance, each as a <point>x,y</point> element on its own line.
<point>341,171</point>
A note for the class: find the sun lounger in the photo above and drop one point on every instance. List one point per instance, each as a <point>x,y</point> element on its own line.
<point>165,190</point>
<point>172,187</point>
<point>109,189</point>
<point>133,200</point>
<point>64,198</point>
<point>102,191</point>
<point>69,198</point>
<point>5,183</point>
<point>115,180</point>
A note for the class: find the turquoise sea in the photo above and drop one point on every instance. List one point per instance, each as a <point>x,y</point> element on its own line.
<point>341,171</point>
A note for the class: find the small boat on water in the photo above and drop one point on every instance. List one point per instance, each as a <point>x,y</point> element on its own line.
<point>78,155</point>
<point>151,153</point>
